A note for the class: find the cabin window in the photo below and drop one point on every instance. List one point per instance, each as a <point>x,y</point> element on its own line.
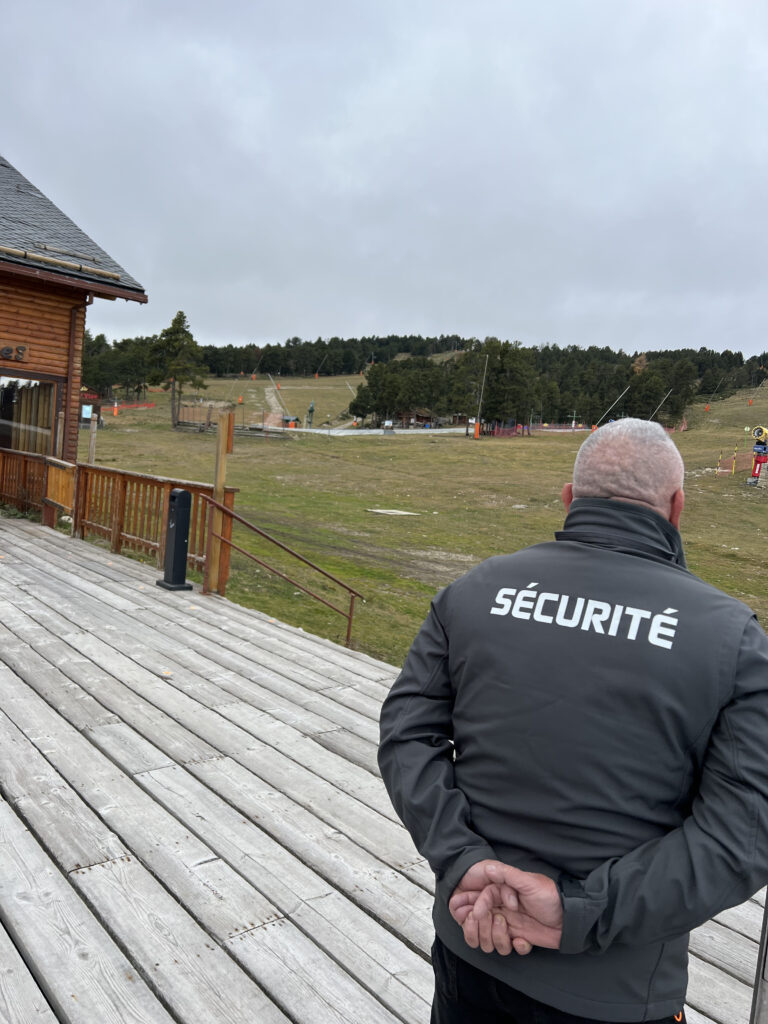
<point>27,414</point>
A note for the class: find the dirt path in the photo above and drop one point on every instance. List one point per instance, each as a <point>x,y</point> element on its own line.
<point>273,418</point>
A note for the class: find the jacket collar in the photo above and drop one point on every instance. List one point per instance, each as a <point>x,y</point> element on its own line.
<point>623,526</point>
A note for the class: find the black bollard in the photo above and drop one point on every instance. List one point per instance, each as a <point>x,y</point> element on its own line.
<point>177,541</point>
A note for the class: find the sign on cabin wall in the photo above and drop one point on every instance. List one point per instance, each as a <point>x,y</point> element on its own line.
<point>14,353</point>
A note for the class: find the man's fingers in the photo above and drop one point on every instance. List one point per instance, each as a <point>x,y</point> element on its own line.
<point>489,898</point>
<point>509,898</point>
<point>460,915</point>
<point>470,931</point>
<point>505,930</point>
<point>537,894</point>
<point>511,876</point>
<point>538,934</point>
<point>500,935</point>
<point>475,877</point>
<point>462,899</point>
<point>484,930</point>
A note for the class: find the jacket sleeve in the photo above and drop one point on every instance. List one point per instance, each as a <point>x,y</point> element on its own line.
<point>416,759</point>
<point>717,858</point>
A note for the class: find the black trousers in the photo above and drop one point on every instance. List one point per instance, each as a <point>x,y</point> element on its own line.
<point>465,995</point>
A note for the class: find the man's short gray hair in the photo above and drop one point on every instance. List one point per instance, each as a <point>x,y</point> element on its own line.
<point>631,459</point>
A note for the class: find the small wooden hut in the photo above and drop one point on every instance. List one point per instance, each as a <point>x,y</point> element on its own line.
<point>50,272</point>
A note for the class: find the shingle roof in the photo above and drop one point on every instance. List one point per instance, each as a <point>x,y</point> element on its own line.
<point>36,234</point>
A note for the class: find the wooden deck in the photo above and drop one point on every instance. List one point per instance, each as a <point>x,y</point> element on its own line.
<point>192,827</point>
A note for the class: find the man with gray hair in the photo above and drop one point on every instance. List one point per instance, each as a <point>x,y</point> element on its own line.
<point>576,743</point>
<point>630,460</point>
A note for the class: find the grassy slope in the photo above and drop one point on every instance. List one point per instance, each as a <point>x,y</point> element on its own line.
<point>474,499</point>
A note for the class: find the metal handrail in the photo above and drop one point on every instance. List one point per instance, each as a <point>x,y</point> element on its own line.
<point>215,505</point>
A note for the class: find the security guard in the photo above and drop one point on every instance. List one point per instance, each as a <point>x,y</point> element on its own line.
<point>576,743</point>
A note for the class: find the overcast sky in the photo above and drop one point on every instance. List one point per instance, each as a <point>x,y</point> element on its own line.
<point>568,171</point>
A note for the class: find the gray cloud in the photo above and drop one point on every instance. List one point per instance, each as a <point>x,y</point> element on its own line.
<point>581,172</point>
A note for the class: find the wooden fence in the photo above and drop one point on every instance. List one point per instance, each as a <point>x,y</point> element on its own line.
<point>41,483</point>
<point>22,480</point>
<point>129,510</point>
<point>201,416</point>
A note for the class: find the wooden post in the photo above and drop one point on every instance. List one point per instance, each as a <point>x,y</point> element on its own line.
<point>49,513</point>
<point>164,514</point>
<point>208,546</point>
<point>223,436</point>
<point>92,439</point>
<point>60,436</point>
<point>119,488</point>
<point>226,549</point>
<point>22,505</point>
<point>80,501</point>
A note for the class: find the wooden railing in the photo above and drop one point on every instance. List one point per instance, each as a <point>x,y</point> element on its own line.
<point>58,490</point>
<point>31,482</point>
<point>130,510</point>
<point>224,539</point>
<point>22,480</point>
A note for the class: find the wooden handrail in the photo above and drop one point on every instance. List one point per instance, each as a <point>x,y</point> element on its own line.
<point>229,517</point>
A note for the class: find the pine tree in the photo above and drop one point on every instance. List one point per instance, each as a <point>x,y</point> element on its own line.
<point>178,361</point>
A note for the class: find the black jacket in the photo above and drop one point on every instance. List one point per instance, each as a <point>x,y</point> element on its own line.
<point>589,709</point>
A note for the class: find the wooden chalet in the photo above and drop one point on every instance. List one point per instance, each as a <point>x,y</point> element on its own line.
<point>50,272</point>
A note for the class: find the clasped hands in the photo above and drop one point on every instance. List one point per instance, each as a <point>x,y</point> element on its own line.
<point>502,908</point>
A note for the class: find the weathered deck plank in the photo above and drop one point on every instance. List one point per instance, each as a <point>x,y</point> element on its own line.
<point>717,995</point>
<point>295,692</point>
<point>342,808</point>
<point>173,758</point>
<point>72,833</point>
<point>729,951</point>
<point>205,886</point>
<point>383,892</point>
<point>251,629</point>
<point>312,714</point>
<point>21,1001</point>
<point>83,974</point>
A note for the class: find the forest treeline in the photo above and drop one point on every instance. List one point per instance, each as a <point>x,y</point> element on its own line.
<point>448,375</point>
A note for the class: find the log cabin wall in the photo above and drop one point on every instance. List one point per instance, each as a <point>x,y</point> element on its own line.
<point>42,339</point>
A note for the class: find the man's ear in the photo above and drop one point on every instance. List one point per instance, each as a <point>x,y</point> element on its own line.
<point>676,507</point>
<point>567,495</point>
